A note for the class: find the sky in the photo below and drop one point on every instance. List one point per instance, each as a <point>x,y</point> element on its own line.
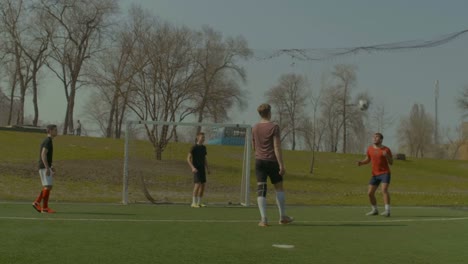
<point>395,79</point>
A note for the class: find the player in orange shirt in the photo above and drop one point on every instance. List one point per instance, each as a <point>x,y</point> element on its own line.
<point>381,158</point>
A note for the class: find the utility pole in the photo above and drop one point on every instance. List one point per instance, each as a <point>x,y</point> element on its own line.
<point>436,98</point>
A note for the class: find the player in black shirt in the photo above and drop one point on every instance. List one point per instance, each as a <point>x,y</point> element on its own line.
<point>199,165</point>
<point>46,171</point>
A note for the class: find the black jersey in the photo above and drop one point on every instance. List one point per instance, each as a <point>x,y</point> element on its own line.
<point>198,156</point>
<point>47,144</point>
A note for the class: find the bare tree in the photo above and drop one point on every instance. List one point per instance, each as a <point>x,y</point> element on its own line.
<point>97,110</point>
<point>458,141</point>
<point>416,130</point>
<point>35,48</point>
<point>345,75</point>
<point>312,131</point>
<point>12,14</point>
<point>217,59</point>
<point>81,24</point>
<point>114,70</point>
<point>357,122</point>
<point>225,95</point>
<point>357,130</point>
<point>163,90</point>
<point>289,97</point>
<point>462,101</point>
<point>331,116</point>
<point>380,118</point>
<point>5,108</point>
<point>12,81</point>
<point>7,60</point>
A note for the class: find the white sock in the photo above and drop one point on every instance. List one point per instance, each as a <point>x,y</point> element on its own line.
<point>374,208</point>
<point>261,201</point>
<point>198,199</point>
<point>194,200</point>
<point>387,207</point>
<point>280,201</point>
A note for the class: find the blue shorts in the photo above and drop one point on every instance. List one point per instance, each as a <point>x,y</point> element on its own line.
<point>382,178</point>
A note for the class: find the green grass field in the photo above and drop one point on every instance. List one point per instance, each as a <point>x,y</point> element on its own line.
<point>92,233</point>
<point>429,218</point>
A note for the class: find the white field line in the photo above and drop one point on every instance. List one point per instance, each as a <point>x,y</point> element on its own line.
<point>442,219</point>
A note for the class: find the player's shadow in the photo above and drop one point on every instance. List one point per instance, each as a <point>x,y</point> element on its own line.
<point>96,213</point>
<point>438,216</point>
<point>346,225</point>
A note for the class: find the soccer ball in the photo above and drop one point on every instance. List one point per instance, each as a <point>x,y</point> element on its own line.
<point>363,104</point>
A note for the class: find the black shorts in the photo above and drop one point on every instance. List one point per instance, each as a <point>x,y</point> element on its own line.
<point>267,168</point>
<point>199,176</point>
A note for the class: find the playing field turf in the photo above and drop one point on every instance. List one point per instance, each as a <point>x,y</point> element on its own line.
<point>329,207</point>
<point>107,233</point>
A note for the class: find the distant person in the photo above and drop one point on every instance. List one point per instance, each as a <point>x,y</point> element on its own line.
<point>199,165</point>
<point>268,163</point>
<point>78,128</point>
<point>46,171</point>
<point>381,158</point>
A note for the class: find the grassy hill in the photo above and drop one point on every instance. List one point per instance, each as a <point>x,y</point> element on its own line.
<point>91,169</point>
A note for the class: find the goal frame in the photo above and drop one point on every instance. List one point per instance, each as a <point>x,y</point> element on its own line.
<point>245,183</point>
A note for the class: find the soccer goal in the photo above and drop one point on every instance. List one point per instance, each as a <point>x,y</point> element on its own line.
<point>156,168</point>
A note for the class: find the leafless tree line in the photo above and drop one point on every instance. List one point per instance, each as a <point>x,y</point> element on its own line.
<point>327,119</point>
<point>137,66</point>
<point>141,67</point>
<point>161,72</point>
<point>416,132</point>
<point>58,35</point>
<point>324,120</point>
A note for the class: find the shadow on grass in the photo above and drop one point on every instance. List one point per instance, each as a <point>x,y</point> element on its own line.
<point>344,225</point>
<point>94,213</point>
<point>437,216</point>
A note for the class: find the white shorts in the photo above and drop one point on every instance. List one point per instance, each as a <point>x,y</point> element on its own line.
<point>46,180</point>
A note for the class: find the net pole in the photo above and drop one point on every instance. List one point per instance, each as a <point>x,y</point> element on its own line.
<point>125,167</point>
<point>243,190</point>
<point>248,150</point>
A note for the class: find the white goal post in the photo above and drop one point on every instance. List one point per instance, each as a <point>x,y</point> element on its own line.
<point>155,137</point>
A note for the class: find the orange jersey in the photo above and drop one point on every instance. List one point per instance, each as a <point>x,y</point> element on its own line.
<point>378,160</point>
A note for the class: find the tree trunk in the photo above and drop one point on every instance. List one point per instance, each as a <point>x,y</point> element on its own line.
<point>118,132</point>
<point>71,107</point>
<point>68,122</point>
<point>65,122</point>
<point>21,110</point>
<point>344,116</point>
<point>294,139</point>
<point>200,112</point>
<point>110,123</point>
<point>12,101</point>
<point>36,108</point>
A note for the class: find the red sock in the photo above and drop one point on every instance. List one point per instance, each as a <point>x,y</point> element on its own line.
<point>39,198</point>
<point>45,197</point>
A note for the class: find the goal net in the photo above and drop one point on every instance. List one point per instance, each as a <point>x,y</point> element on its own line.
<point>156,168</point>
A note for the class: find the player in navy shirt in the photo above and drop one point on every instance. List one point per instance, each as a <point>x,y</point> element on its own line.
<point>199,166</point>
<point>46,171</point>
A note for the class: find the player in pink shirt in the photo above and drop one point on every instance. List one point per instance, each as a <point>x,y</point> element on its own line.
<point>266,141</point>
